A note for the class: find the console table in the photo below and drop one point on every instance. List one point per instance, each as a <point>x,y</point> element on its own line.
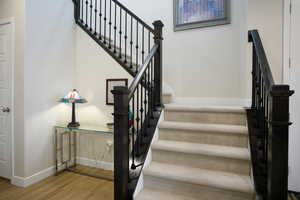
<point>66,147</point>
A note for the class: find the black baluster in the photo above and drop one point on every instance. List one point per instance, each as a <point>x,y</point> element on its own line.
<point>115,31</point>
<point>131,43</point>
<point>110,24</point>
<point>152,89</point>
<point>86,13</point>
<point>133,166</point>
<point>96,11</point>
<point>138,118</point>
<point>100,25</point>
<point>120,33</point>
<point>148,82</point>
<point>91,15</point>
<point>105,20</point>
<point>82,3</point>
<point>267,130</point>
<point>143,44</point>
<point>125,37</point>
<point>145,102</point>
<point>137,47</point>
<point>149,93</point>
<point>142,107</point>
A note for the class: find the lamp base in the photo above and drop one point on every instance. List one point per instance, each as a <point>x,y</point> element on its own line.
<point>73,125</point>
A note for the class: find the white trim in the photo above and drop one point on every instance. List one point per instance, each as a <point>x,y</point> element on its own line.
<point>95,163</point>
<point>25,182</point>
<point>213,101</point>
<point>286,41</point>
<point>11,21</point>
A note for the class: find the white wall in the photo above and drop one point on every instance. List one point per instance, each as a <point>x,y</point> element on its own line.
<point>267,17</point>
<point>49,74</point>
<point>203,62</point>
<point>93,67</point>
<point>16,9</point>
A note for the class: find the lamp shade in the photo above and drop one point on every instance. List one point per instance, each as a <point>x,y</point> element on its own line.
<point>73,97</point>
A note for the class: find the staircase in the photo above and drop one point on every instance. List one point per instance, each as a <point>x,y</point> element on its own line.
<point>201,154</point>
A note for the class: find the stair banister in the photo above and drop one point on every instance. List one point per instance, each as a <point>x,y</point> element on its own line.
<point>270,108</point>
<point>124,99</point>
<point>137,47</point>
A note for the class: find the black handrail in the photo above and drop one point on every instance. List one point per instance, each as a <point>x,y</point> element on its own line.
<point>140,74</point>
<point>134,16</point>
<point>262,58</point>
<point>268,122</point>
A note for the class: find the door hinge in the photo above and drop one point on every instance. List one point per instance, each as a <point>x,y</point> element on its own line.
<point>290,8</point>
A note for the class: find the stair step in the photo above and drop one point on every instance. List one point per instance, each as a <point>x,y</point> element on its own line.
<point>198,183</point>
<point>200,114</point>
<point>167,97</point>
<point>217,134</point>
<point>150,194</point>
<point>213,157</point>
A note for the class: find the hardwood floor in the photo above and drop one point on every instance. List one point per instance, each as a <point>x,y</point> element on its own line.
<point>65,186</point>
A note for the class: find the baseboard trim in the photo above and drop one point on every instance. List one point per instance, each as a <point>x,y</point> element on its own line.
<point>213,101</point>
<point>25,182</point>
<point>95,163</point>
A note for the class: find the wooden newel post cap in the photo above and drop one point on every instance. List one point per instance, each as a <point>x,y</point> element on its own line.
<point>158,24</point>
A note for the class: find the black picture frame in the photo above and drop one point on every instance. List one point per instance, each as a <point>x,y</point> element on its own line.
<point>110,84</point>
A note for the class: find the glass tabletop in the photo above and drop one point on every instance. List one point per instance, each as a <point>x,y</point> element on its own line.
<point>89,128</point>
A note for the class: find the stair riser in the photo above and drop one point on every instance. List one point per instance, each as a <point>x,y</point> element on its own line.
<point>201,161</point>
<point>167,98</point>
<point>224,139</point>
<point>193,190</point>
<point>206,117</point>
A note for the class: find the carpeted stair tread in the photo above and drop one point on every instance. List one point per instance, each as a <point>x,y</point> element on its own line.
<point>204,149</point>
<point>152,194</point>
<point>208,178</point>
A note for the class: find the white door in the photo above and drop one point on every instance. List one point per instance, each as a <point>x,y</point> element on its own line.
<point>294,178</point>
<point>5,99</point>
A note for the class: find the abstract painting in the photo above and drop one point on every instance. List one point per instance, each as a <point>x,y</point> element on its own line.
<point>190,14</point>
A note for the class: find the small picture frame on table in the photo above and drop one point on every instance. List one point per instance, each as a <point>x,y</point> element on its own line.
<point>191,14</point>
<point>110,84</point>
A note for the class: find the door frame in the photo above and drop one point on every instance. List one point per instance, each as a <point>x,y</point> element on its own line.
<point>286,41</point>
<point>11,21</point>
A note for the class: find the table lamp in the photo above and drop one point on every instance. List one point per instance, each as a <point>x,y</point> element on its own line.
<point>73,97</point>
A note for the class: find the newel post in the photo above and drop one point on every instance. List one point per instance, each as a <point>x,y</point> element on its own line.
<point>76,9</point>
<point>121,143</point>
<point>254,67</point>
<point>278,146</point>
<point>158,62</point>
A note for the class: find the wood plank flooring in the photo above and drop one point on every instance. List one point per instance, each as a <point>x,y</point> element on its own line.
<point>65,186</point>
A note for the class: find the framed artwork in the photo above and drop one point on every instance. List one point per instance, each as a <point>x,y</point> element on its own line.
<point>110,84</point>
<point>190,14</point>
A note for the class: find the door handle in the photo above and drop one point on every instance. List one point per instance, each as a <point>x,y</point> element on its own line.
<point>5,109</point>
